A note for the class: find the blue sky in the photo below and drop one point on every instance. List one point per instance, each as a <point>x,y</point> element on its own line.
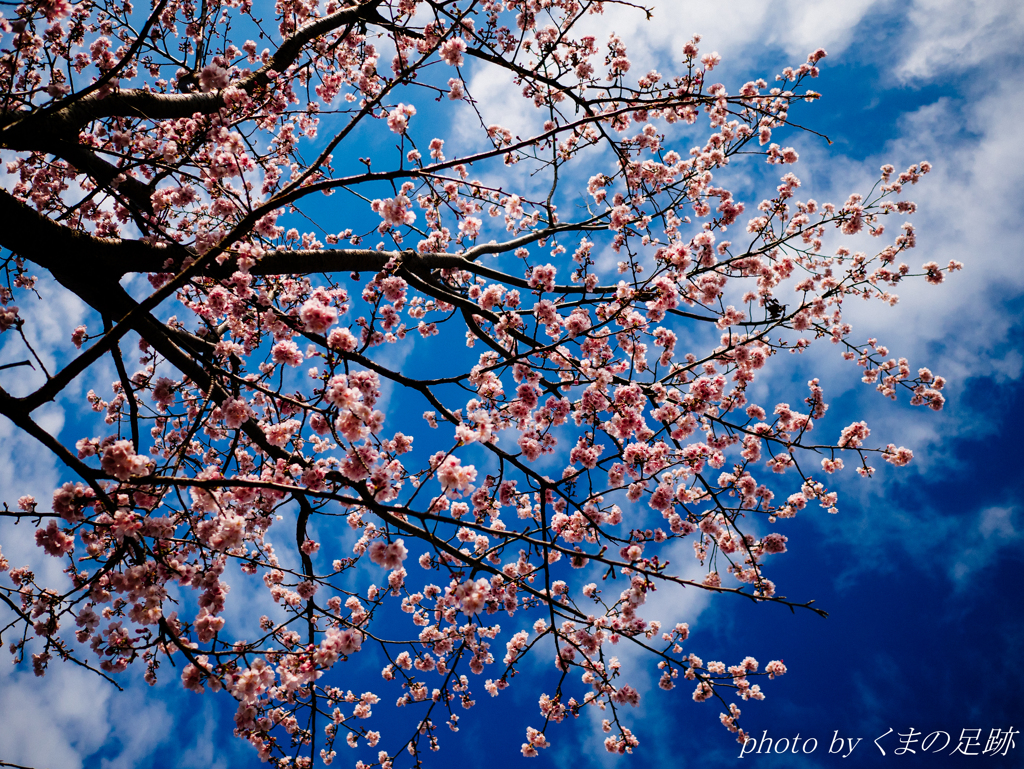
<point>920,570</point>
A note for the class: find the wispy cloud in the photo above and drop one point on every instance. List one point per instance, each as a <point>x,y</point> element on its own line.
<point>945,36</point>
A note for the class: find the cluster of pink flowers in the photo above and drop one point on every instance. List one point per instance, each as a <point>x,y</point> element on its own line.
<point>398,118</point>
<point>388,555</point>
<point>394,211</point>
<point>120,460</point>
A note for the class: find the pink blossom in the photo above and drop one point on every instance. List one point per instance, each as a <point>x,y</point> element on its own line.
<point>388,555</point>
<point>286,351</point>
<point>543,278</point>
<point>253,681</point>
<point>56,9</point>
<point>8,317</point>
<point>120,460</point>
<point>279,434</point>
<point>207,626</point>
<point>394,211</point>
<point>398,118</point>
<point>853,436</point>
<point>455,477</point>
<point>54,541</point>
<point>933,274</point>
<point>621,216</point>
<point>470,227</point>
<point>213,78</point>
<point>898,456</point>
<point>163,392</point>
<point>317,317</point>
<point>451,51</point>
<point>472,596</point>
<point>236,411</point>
<point>342,339</point>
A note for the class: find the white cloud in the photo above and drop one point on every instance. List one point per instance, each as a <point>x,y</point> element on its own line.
<point>491,87</point>
<point>804,26</point>
<point>736,29</point>
<point>68,715</point>
<point>954,35</point>
<point>53,721</point>
<point>923,39</point>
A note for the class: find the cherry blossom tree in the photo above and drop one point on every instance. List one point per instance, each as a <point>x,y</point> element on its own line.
<point>581,309</point>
